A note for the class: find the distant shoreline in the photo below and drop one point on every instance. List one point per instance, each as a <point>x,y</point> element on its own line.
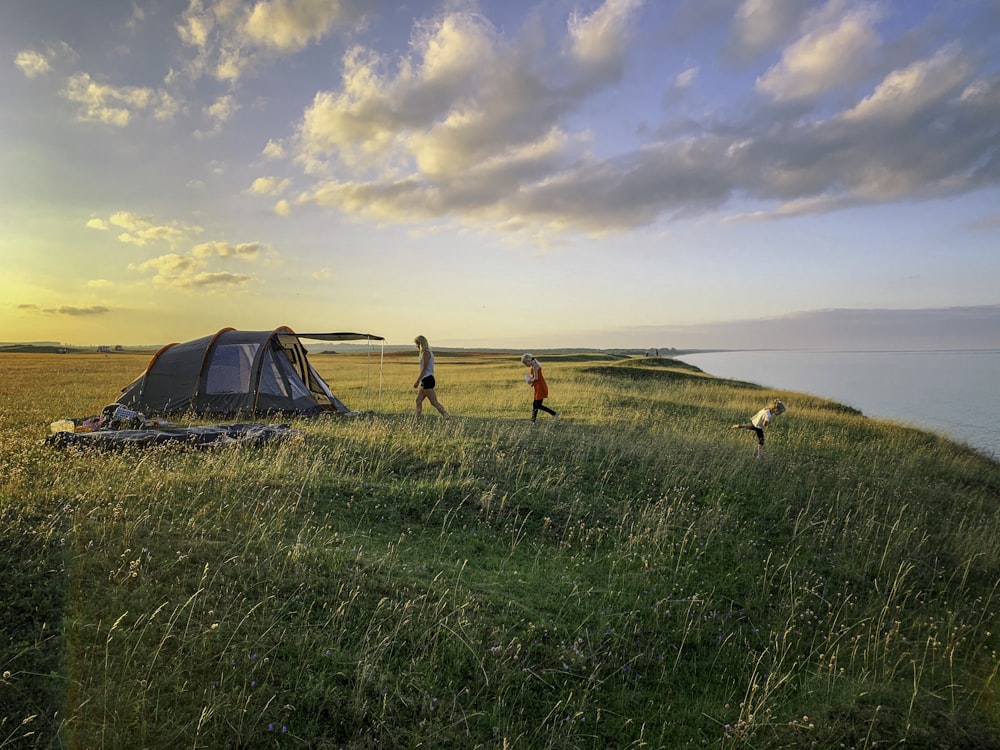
<point>662,352</point>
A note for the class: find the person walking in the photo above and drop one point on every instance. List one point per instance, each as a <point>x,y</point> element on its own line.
<point>760,420</point>
<point>541,388</point>
<point>425,383</point>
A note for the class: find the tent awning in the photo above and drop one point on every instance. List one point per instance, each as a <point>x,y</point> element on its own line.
<point>343,336</point>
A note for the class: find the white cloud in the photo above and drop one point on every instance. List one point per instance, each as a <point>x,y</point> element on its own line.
<point>909,90</point>
<point>465,119</point>
<point>686,78</point>
<point>273,150</point>
<point>140,230</point>
<point>283,208</point>
<point>230,37</point>
<point>167,265</point>
<point>269,186</point>
<point>825,58</point>
<point>220,112</point>
<point>97,223</point>
<point>129,220</point>
<point>32,63</point>
<point>191,271</point>
<point>247,251</point>
<point>290,25</point>
<point>760,25</point>
<point>600,39</point>
<point>115,105</point>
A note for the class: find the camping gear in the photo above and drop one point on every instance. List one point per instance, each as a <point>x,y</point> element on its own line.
<point>237,373</point>
<point>192,437</point>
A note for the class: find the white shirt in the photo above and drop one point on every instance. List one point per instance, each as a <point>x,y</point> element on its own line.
<point>429,369</point>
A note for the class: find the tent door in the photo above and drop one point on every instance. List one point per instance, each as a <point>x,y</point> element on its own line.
<point>297,356</point>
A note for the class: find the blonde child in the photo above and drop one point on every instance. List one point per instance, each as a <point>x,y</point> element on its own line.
<point>760,420</point>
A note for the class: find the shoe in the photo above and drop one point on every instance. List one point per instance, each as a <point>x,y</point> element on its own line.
<point>555,417</point>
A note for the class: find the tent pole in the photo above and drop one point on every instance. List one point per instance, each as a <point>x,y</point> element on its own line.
<point>381,361</point>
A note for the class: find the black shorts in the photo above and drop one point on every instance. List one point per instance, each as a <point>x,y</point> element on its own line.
<point>427,383</point>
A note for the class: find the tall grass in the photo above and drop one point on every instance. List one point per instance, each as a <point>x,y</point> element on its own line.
<point>629,577</point>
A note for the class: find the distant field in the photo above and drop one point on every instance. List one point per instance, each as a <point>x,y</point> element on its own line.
<point>631,577</point>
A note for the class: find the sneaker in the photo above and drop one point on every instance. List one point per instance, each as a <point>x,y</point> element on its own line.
<point>555,417</point>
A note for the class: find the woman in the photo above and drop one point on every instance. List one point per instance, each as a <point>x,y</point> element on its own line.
<point>425,381</point>
<point>541,388</point>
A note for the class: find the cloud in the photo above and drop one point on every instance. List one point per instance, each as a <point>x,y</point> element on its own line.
<point>77,312</point>
<point>192,270</point>
<point>219,112</point>
<point>476,127</point>
<point>269,186</point>
<point>229,38</point>
<point>140,230</point>
<point>467,119</point>
<point>911,90</point>
<point>35,63</point>
<point>283,208</point>
<point>833,54</point>
<point>273,150</point>
<point>760,25</point>
<point>100,284</point>
<point>115,105</point>
<point>32,63</point>
<point>188,272</point>
<point>290,25</point>
<point>220,282</point>
<point>598,41</point>
<point>248,251</point>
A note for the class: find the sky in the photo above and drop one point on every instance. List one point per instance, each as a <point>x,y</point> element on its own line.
<point>502,173</point>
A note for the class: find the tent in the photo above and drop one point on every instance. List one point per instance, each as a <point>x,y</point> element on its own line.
<point>237,372</point>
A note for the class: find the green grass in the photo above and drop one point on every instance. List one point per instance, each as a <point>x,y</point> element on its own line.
<point>631,577</point>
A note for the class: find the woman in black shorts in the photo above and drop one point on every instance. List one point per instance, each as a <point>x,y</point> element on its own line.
<point>425,381</point>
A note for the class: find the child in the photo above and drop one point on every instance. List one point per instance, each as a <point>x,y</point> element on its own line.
<point>760,420</point>
<point>541,388</point>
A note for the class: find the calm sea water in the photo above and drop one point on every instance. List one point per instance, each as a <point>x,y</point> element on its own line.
<point>955,393</point>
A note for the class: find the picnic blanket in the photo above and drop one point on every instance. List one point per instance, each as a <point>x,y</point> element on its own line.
<point>198,437</point>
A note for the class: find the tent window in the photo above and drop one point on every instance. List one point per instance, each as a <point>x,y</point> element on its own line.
<point>229,370</point>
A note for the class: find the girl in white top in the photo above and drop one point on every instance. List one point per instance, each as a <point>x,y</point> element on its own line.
<point>425,381</point>
<point>760,420</point>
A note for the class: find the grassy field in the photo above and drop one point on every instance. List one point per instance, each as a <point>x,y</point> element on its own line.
<point>631,577</point>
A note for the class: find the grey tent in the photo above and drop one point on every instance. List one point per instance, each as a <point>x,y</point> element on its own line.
<point>236,373</point>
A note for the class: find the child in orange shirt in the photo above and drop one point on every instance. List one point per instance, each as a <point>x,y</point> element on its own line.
<point>541,388</point>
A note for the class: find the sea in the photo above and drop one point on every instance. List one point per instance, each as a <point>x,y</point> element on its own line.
<point>951,392</point>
